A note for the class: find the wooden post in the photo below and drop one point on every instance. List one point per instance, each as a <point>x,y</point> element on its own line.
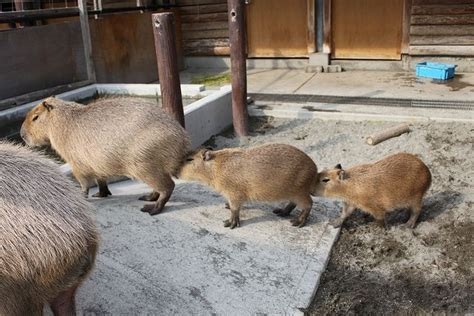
<point>311,33</point>
<point>86,39</point>
<point>238,67</point>
<point>167,61</point>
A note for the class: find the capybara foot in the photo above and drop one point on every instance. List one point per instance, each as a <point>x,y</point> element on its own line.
<point>151,209</point>
<point>227,206</point>
<point>337,222</point>
<point>281,212</point>
<point>232,222</point>
<point>103,193</point>
<point>298,222</point>
<point>408,225</point>
<point>381,223</point>
<point>150,197</point>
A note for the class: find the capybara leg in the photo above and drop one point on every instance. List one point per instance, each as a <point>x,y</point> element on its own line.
<point>415,212</point>
<point>286,211</point>
<point>103,189</point>
<point>347,210</point>
<point>305,205</point>
<point>165,188</point>
<point>83,181</point>
<point>64,304</point>
<point>234,220</point>
<point>153,196</point>
<point>380,219</point>
<point>227,206</point>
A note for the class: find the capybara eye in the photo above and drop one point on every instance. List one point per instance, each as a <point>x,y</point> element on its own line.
<point>189,159</point>
<point>326,180</point>
<point>35,118</point>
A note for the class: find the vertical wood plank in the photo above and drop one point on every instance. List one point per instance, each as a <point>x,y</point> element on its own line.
<point>86,39</point>
<point>311,32</point>
<point>406,26</point>
<point>327,26</point>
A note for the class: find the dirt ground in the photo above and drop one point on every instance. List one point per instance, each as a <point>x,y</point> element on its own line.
<point>393,271</point>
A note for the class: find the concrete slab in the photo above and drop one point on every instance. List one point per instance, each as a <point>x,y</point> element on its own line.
<point>183,261</point>
<point>362,83</point>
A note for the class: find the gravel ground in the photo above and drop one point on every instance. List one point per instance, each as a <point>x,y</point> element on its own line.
<point>393,271</point>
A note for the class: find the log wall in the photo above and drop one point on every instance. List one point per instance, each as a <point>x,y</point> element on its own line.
<point>204,27</point>
<point>442,27</point>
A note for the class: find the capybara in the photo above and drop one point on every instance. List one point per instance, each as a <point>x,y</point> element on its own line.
<point>112,137</point>
<point>397,181</point>
<point>48,235</point>
<point>268,173</point>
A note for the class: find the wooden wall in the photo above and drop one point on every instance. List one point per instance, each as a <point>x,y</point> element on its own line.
<point>442,27</point>
<point>42,57</point>
<point>204,27</point>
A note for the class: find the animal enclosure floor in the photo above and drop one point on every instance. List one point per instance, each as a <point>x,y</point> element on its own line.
<point>183,261</point>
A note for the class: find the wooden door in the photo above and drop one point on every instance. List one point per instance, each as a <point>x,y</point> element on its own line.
<point>367,29</point>
<point>277,28</point>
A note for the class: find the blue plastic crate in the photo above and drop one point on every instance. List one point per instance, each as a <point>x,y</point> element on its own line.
<point>435,70</point>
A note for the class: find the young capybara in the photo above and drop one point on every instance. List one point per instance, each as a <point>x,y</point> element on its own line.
<point>397,181</point>
<point>48,235</point>
<point>267,173</point>
<point>112,137</point>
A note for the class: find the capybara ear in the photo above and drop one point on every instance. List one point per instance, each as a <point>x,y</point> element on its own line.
<point>342,175</point>
<point>338,166</point>
<point>209,148</point>
<point>48,106</point>
<point>207,155</point>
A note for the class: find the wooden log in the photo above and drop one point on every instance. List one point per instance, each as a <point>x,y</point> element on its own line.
<point>212,42</point>
<point>207,51</point>
<point>164,30</point>
<point>451,30</point>
<point>205,34</point>
<point>441,40</point>
<point>447,2</point>
<point>203,9</point>
<point>379,137</point>
<point>209,17</point>
<point>237,37</point>
<point>442,19</point>
<point>205,26</point>
<point>443,9</point>
<point>430,50</point>
<point>199,2</point>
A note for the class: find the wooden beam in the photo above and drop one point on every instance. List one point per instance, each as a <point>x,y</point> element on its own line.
<point>442,30</point>
<point>448,2</point>
<point>203,9</point>
<point>18,16</point>
<point>406,26</point>
<point>442,19</point>
<point>206,34</point>
<point>182,3</point>
<point>205,26</point>
<point>207,51</point>
<point>86,39</point>
<point>207,42</point>
<point>442,50</point>
<point>209,17</point>
<point>327,26</point>
<point>311,33</point>
<point>443,9</point>
<point>442,40</point>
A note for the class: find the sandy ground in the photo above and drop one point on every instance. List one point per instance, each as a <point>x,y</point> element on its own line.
<point>377,271</point>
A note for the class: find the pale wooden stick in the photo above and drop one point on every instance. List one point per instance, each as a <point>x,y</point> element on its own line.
<point>398,130</point>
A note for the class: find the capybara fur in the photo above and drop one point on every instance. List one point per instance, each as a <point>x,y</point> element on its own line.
<point>112,137</point>
<point>48,235</point>
<point>397,181</point>
<point>267,173</point>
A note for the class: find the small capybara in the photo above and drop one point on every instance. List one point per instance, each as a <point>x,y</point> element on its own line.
<point>48,235</point>
<point>397,181</point>
<point>267,173</point>
<point>112,137</point>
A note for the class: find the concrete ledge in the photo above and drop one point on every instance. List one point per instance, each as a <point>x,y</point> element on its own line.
<point>212,62</point>
<point>187,90</point>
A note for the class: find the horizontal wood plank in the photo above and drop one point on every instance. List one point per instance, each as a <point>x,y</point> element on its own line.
<point>204,26</point>
<point>442,50</point>
<point>442,30</point>
<point>447,2</point>
<point>205,34</point>
<point>206,42</point>
<point>198,2</point>
<point>210,17</point>
<point>203,9</point>
<point>441,40</point>
<point>442,9</point>
<point>442,19</point>
<point>207,51</point>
